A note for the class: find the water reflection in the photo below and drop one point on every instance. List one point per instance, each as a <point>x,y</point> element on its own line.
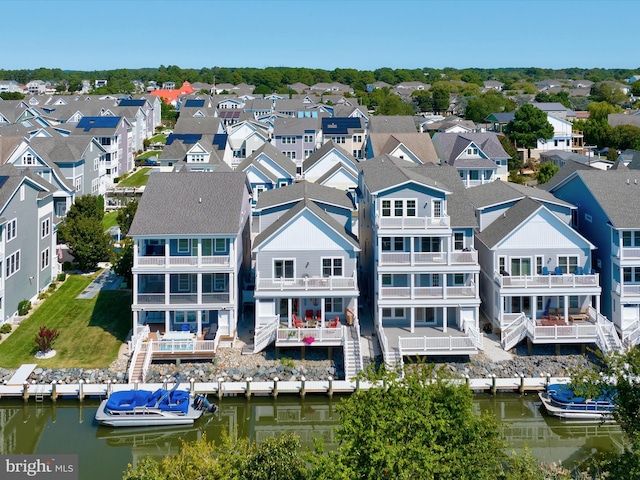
<point>68,427</point>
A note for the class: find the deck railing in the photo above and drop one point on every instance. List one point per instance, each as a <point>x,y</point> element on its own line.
<point>428,258</point>
<point>307,283</point>
<point>469,291</point>
<point>546,281</point>
<point>305,335</point>
<point>184,260</point>
<point>420,345</point>
<point>403,223</point>
<point>631,336</point>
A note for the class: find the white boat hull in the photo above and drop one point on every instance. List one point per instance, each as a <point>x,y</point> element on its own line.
<point>574,414</point>
<point>145,417</point>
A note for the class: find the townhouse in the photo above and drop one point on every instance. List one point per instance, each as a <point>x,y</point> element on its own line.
<point>28,259</point>
<point>536,281</point>
<point>397,136</point>
<point>297,138</point>
<point>419,268</point>
<point>347,132</point>
<point>191,256</point>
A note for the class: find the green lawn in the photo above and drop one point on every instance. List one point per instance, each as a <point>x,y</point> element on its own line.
<point>138,179</point>
<point>160,138</point>
<point>149,154</point>
<point>91,331</point>
<point>109,220</point>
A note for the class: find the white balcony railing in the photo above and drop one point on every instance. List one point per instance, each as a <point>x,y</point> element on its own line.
<point>311,336</point>
<point>388,293</point>
<point>546,281</point>
<point>182,298</point>
<point>421,345</point>
<point>306,283</point>
<point>626,253</point>
<point>162,261</point>
<point>428,258</point>
<point>402,223</point>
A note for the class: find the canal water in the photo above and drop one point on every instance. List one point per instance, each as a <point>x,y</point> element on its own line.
<point>68,427</point>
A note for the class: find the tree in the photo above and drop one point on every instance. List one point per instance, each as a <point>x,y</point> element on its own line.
<point>45,338</point>
<point>11,96</point>
<point>623,137</point>
<point>126,214</point>
<point>393,105</point>
<point>530,124</point>
<point>623,371</point>
<point>88,242</point>
<point>440,93</point>
<point>608,92</point>
<point>515,162</point>
<point>546,172</point>
<point>478,109</point>
<point>421,426</point>
<point>123,260</point>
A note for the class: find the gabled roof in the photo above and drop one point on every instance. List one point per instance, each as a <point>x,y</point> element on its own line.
<point>319,154</point>
<point>618,194</point>
<point>450,145</point>
<point>506,224</point>
<point>11,178</point>
<point>202,125</point>
<point>496,193</point>
<point>294,211</point>
<point>392,124</point>
<point>385,172</point>
<point>420,144</point>
<point>294,126</point>
<point>335,169</point>
<point>94,124</point>
<point>191,203</point>
<point>274,154</point>
<point>300,191</point>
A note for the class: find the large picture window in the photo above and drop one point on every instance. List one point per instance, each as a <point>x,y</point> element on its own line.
<point>332,267</point>
<point>283,269</point>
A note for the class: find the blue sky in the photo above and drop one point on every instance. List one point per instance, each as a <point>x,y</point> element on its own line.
<point>326,34</point>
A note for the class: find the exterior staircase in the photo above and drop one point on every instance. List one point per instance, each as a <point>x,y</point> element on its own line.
<point>264,335</point>
<point>136,368</point>
<point>352,352</point>
<point>608,340</point>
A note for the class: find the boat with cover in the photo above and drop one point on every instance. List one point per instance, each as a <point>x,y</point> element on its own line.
<point>143,408</point>
<point>560,401</point>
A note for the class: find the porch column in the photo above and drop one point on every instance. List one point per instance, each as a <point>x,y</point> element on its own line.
<point>412,315</point>
<point>598,303</point>
<point>412,285</point>
<point>167,288</point>
<point>199,250</point>
<point>135,321</point>
<point>500,311</point>
<point>167,321</point>
<point>444,319</point>
<point>167,251</point>
<point>136,245</point>
<point>199,289</point>
<point>411,248</point>
<point>135,286</point>
<point>534,308</point>
<point>199,322</point>
<point>379,319</point>
<point>233,287</point>
<point>289,310</point>
<point>566,309</point>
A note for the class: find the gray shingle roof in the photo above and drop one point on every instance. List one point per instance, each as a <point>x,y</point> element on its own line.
<point>506,224</point>
<point>617,192</point>
<point>450,145</point>
<point>392,124</point>
<point>567,170</point>
<point>495,193</point>
<point>14,178</point>
<point>385,172</point>
<point>293,211</point>
<point>419,144</point>
<point>274,154</point>
<point>322,151</point>
<point>300,191</point>
<point>191,203</point>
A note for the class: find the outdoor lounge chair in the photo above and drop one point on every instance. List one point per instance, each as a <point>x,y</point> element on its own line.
<point>297,322</point>
<point>308,315</point>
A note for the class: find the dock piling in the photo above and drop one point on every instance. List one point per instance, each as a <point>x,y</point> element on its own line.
<point>330,386</point>
<point>303,391</point>
<point>54,392</point>
<point>220,380</point>
<point>275,387</point>
<point>81,390</point>
<point>25,391</point>
<point>247,390</point>
<point>493,384</point>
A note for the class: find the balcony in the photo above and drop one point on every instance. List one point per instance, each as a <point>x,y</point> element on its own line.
<point>428,258</point>
<point>417,293</point>
<point>626,253</point>
<point>546,281</point>
<point>627,290</point>
<point>306,283</point>
<point>180,261</point>
<point>412,223</point>
<point>182,298</point>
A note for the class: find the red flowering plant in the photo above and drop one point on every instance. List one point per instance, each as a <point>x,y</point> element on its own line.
<point>45,338</point>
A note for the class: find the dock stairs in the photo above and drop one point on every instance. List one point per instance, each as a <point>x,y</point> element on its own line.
<point>352,351</point>
<point>137,370</point>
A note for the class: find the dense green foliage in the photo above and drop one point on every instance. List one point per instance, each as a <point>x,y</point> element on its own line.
<point>547,170</point>
<point>126,214</point>
<point>479,108</point>
<point>623,370</point>
<point>82,231</point>
<point>530,124</point>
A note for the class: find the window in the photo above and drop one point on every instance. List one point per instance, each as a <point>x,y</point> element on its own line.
<point>332,267</point>
<point>183,282</point>
<point>502,262</point>
<point>437,208</point>
<point>308,139</point>
<point>393,312</point>
<point>411,208</point>
<point>588,218</point>
<point>339,139</point>
<point>12,264</point>
<point>458,279</point>
<point>568,263</point>
<point>357,153</point>
<point>288,140</point>
<point>220,282</point>
<point>333,305</point>
<point>539,261</point>
<point>221,245</point>
<point>12,229</point>
<point>631,274</point>
<point>96,163</point>
<point>44,259</point>
<point>283,269</point>
<point>28,159</point>
<point>308,153</point>
<point>631,238</point>
<point>183,245</point>
<point>401,208</point>
<point>520,267</point>
<point>430,244</point>
<point>105,140</point>
<point>357,138</point>
<point>45,228</point>
<point>290,155</point>
<point>387,280</point>
<point>257,191</point>
<point>386,208</point>
<point>458,241</point>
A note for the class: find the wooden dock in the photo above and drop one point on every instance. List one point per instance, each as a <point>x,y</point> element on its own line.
<point>250,388</point>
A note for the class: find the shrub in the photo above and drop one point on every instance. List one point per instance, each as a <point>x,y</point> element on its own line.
<point>61,277</point>
<point>66,266</point>
<point>5,328</point>
<point>45,338</point>
<point>23,307</point>
<point>42,295</point>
